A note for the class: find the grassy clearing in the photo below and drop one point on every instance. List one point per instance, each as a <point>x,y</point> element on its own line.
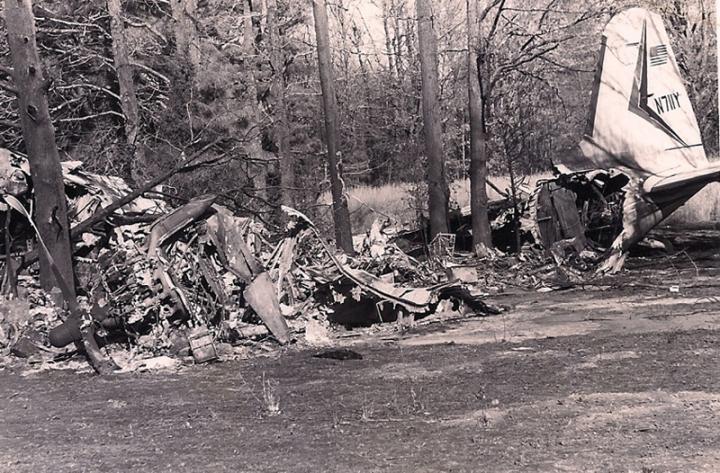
<point>400,202</point>
<point>366,203</point>
<point>460,189</point>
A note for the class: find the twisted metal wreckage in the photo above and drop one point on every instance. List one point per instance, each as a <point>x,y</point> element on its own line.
<point>169,279</point>
<point>642,153</point>
<point>166,279</point>
<point>642,136</point>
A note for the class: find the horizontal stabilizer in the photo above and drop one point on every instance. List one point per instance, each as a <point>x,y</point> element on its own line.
<point>685,180</point>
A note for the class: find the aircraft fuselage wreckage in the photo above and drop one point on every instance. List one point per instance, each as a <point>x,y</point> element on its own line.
<point>642,143</point>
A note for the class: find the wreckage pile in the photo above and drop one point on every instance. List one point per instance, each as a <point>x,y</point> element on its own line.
<point>153,280</point>
<point>156,281</point>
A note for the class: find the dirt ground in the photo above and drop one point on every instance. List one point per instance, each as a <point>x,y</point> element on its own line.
<point>619,375</point>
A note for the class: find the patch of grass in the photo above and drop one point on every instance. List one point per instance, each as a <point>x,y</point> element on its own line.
<point>366,203</point>
<point>397,201</point>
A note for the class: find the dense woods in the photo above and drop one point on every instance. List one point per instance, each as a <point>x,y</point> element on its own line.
<point>134,87</point>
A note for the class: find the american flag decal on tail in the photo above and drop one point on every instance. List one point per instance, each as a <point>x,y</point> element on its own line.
<point>658,55</point>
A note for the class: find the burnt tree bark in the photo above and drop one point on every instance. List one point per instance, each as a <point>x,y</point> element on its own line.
<point>482,237</point>
<point>438,192</point>
<point>281,129</point>
<point>39,137</point>
<point>341,215</point>
<point>128,97</point>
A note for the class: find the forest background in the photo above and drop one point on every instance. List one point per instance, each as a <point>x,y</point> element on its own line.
<point>242,76</point>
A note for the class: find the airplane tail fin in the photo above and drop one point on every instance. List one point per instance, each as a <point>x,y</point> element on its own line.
<point>641,118</point>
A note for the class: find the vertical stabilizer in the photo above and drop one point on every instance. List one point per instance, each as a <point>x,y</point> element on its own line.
<point>641,119</point>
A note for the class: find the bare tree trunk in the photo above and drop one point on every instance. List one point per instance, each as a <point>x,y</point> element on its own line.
<point>410,41</point>
<point>516,207</point>
<point>438,191</point>
<point>254,140</point>
<point>398,10</point>
<point>281,131</point>
<point>186,38</point>
<point>365,120</point>
<point>129,103</point>
<point>388,41</point>
<point>341,23</point>
<point>341,215</point>
<point>478,139</point>
<point>39,136</point>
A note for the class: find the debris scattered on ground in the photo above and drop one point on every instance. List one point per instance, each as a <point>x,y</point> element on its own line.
<point>162,286</point>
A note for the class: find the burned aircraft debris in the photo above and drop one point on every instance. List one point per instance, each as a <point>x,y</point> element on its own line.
<point>658,148</point>
<point>167,280</point>
<point>642,158</point>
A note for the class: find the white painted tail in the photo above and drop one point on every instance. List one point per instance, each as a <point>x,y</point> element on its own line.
<point>641,119</point>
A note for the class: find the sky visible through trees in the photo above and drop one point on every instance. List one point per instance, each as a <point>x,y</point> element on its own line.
<point>244,77</point>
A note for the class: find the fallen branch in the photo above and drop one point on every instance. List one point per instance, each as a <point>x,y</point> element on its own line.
<point>91,117</point>
<point>497,189</point>
<point>105,212</point>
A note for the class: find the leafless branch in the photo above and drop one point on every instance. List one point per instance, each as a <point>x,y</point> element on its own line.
<point>151,71</point>
<point>7,87</point>
<point>92,117</point>
<point>89,86</point>
<point>496,20</point>
<point>137,23</point>
<point>9,124</point>
<point>564,66</point>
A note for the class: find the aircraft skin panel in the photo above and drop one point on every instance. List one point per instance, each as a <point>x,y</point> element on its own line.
<point>643,120</point>
<point>642,125</point>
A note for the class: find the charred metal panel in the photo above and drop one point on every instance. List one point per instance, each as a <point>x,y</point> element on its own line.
<point>557,216</point>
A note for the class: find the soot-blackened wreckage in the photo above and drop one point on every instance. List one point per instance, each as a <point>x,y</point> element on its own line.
<point>642,150</point>
<point>642,158</point>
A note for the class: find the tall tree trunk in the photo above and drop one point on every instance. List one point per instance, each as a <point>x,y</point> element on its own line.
<point>341,215</point>
<point>187,56</point>
<point>365,120</point>
<point>388,42</point>
<point>128,97</point>
<point>39,136</point>
<point>399,10</point>
<point>410,41</point>
<point>252,112</point>
<point>343,52</point>
<point>438,191</point>
<point>482,238</point>
<point>186,37</point>
<point>281,131</point>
